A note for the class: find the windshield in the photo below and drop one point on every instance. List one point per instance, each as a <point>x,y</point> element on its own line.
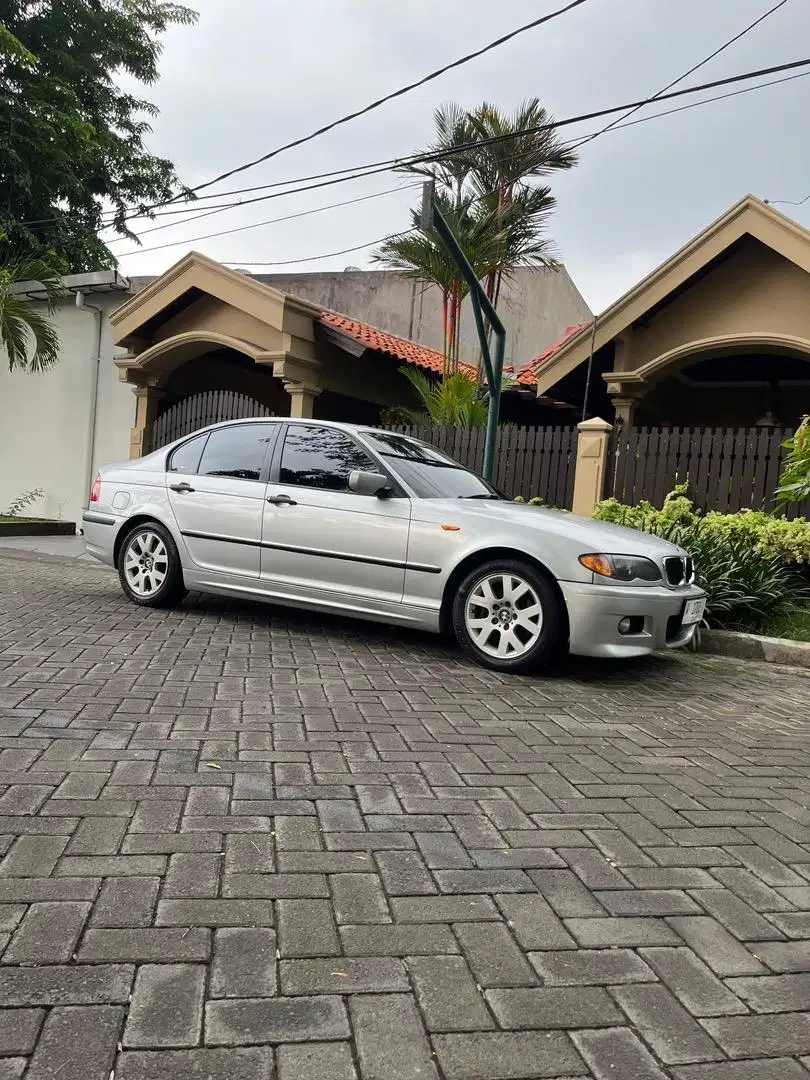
<point>429,473</point>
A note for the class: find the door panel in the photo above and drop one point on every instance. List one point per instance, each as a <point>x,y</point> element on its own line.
<point>327,538</point>
<point>219,506</point>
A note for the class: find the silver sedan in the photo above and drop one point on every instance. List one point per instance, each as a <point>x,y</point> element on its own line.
<point>373,524</point>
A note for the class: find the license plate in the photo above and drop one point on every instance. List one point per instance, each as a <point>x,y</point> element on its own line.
<point>693,611</point>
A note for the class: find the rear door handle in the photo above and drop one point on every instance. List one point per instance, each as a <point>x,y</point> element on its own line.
<point>181,489</point>
<point>281,500</point>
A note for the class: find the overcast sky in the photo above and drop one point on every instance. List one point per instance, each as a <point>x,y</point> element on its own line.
<point>252,75</point>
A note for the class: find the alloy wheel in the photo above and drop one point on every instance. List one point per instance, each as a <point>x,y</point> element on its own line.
<point>503,615</point>
<point>146,563</point>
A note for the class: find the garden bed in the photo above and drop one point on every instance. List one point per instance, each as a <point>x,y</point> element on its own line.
<point>19,526</point>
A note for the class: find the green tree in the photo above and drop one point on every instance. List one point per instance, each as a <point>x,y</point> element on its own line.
<point>28,336</point>
<point>74,156</point>
<point>794,479</point>
<point>452,402</point>
<point>490,197</point>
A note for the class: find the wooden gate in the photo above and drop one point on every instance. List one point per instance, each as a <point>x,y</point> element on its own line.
<point>199,410</point>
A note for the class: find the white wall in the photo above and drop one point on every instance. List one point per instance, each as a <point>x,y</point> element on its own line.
<point>45,419</point>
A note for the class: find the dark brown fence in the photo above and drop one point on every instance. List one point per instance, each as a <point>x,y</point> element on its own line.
<point>199,410</point>
<point>530,461</point>
<point>727,469</point>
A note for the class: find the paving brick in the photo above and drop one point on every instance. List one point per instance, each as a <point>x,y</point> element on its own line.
<point>787,956</point>
<point>715,946</point>
<point>33,856</point>
<point>447,994</point>
<point>314,1061</point>
<point>248,853</point>
<point>155,944</point>
<point>111,866</point>
<point>244,964</point>
<point>214,913</point>
<point>493,956</point>
<point>166,1007</point>
<point>12,1068</point>
<point>77,1043</point>
<point>794,924</point>
<point>762,1036</point>
<point>391,1042</point>
<point>275,1020</point>
<point>19,1029</point>
<point>648,902</point>
<point>297,834</point>
<point>358,898</point>
<point>533,922</point>
<point>10,916</point>
<point>773,1069</point>
<point>47,934</point>
<point>591,967</point>
<point>397,940</point>
<point>737,917</point>
<point>593,869</point>
<point>610,932</point>
<point>670,877</point>
<point>749,888</point>
<point>166,844</point>
<point>246,1063</point>
<point>126,902</point>
<point>306,928</point>
<point>507,1055</point>
<point>35,890</point>
<point>666,1026</point>
<point>773,993</point>
<point>691,981</point>
<point>277,886</point>
<point>339,815</point>
<point>554,1007</point>
<point>53,985</point>
<point>442,851</point>
<point>483,881</point>
<point>192,875</point>
<point>403,873</point>
<point>348,975</point>
<point>442,909</point>
<point>615,1053</point>
<point>566,894</point>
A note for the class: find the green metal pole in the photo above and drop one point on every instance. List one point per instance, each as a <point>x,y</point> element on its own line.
<point>482,306</point>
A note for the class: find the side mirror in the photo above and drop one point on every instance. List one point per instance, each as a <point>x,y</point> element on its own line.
<point>368,483</point>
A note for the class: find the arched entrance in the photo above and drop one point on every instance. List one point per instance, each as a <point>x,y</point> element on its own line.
<point>198,410</point>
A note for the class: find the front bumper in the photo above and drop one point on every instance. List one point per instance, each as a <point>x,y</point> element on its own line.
<point>594,612</point>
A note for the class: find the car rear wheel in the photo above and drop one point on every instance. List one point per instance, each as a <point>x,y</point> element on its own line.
<point>507,616</point>
<point>149,567</point>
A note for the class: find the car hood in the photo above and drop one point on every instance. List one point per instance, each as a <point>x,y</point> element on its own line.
<point>587,533</point>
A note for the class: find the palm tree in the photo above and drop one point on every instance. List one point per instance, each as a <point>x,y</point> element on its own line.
<point>28,336</point>
<point>453,402</point>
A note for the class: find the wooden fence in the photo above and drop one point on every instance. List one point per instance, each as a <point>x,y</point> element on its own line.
<point>530,461</point>
<point>727,469</point>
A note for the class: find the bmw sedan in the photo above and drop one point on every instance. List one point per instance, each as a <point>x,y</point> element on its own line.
<point>373,524</point>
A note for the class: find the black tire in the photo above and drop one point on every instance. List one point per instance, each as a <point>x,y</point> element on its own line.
<point>169,591</point>
<point>551,635</point>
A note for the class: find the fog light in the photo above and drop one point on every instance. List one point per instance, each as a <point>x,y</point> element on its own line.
<point>625,625</point>
<point>631,624</point>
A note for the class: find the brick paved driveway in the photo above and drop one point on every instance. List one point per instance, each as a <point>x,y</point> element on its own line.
<point>239,844</point>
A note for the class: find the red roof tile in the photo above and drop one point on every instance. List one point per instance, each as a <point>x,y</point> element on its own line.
<point>527,376</point>
<point>401,348</point>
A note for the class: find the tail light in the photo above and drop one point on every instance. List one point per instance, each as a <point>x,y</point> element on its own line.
<point>95,494</point>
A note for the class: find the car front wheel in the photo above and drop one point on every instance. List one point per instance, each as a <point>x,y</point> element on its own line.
<point>149,567</point>
<point>508,617</point>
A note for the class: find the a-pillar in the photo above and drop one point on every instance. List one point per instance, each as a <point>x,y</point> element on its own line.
<point>302,399</point>
<point>147,399</point>
<point>591,464</point>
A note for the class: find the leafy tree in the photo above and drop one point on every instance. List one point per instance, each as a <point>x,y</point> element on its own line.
<point>74,156</point>
<point>28,336</point>
<point>794,480</point>
<point>487,193</point>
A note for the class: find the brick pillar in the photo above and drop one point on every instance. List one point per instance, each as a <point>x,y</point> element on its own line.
<point>146,403</point>
<point>302,399</point>
<point>589,475</point>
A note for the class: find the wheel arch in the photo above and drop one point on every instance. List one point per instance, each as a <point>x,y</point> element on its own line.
<point>133,523</point>
<point>479,558</point>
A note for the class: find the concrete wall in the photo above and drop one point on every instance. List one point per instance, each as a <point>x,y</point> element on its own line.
<point>537,306</point>
<point>46,420</point>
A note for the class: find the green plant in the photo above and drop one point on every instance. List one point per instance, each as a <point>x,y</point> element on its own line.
<point>21,501</point>
<point>794,479</point>
<point>453,402</point>
<point>21,325</point>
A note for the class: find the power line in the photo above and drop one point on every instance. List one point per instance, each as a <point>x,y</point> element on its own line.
<point>396,93</point>
<point>788,202</point>
<point>696,67</point>
<point>259,224</point>
<point>311,258</point>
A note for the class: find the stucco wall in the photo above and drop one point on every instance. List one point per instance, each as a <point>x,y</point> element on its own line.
<point>45,419</point>
<point>754,291</point>
<point>537,306</point>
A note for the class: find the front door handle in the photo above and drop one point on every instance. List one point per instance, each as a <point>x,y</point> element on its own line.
<point>181,489</point>
<point>281,500</point>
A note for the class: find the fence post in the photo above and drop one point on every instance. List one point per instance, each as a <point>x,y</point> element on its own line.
<point>591,461</point>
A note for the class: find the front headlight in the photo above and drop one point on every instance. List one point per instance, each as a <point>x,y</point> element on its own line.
<point>622,567</point>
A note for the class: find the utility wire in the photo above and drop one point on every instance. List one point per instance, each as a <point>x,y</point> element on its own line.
<point>395,94</point>
<point>696,67</point>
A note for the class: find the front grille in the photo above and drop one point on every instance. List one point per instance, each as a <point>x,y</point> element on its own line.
<point>679,570</point>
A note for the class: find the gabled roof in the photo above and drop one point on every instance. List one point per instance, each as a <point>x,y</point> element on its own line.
<point>527,376</point>
<point>749,217</point>
<point>400,348</point>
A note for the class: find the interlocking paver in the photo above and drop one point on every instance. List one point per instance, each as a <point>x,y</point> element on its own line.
<point>402,867</point>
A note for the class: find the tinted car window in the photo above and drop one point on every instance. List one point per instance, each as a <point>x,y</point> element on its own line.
<point>237,452</point>
<point>321,458</point>
<point>186,458</point>
<point>431,474</point>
